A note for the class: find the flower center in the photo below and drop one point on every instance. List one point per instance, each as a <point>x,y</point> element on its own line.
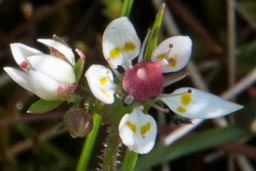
<point>144,80</point>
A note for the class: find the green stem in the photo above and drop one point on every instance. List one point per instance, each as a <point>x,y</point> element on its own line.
<point>112,149</point>
<point>129,162</point>
<point>126,8</point>
<point>89,143</point>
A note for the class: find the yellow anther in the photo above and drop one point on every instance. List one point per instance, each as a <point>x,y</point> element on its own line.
<point>161,56</point>
<point>115,52</point>
<point>103,80</point>
<point>172,62</point>
<point>129,46</point>
<point>105,93</point>
<point>145,128</point>
<point>131,126</point>
<point>186,98</point>
<point>181,109</point>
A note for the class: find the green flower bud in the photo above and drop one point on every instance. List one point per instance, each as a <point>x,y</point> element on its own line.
<point>78,122</point>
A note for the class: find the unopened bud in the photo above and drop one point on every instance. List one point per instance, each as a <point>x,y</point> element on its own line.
<point>78,122</point>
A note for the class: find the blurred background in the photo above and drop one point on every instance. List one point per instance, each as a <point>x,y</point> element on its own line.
<point>223,62</point>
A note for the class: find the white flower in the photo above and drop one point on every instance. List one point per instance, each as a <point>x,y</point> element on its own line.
<point>138,131</point>
<point>100,79</point>
<point>120,42</point>
<point>145,80</point>
<point>193,103</point>
<point>51,77</point>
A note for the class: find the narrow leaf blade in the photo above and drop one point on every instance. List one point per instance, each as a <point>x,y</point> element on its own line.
<point>153,37</point>
<point>189,145</point>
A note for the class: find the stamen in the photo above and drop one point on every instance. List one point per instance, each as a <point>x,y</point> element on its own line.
<point>168,56</point>
<point>112,84</point>
<point>141,107</point>
<point>171,95</point>
<point>128,62</point>
<point>128,100</point>
<point>118,75</point>
<point>160,108</point>
<point>168,80</point>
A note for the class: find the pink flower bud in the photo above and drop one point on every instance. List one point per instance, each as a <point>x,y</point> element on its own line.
<point>144,80</point>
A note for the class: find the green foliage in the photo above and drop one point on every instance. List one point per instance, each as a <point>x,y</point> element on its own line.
<point>153,37</point>
<point>126,7</point>
<point>192,144</point>
<point>246,57</point>
<point>42,106</point>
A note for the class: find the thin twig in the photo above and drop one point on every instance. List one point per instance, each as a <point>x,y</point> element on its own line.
<point>231,43</point>
<point>195,25</point>
<point>31,118</point>
<point>22,146</point>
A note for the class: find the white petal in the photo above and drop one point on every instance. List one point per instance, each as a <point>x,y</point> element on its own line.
<point>60,48</point>
<point>100,81</point>
<point>120,42</point>
<point>53,67</point>
<point>43,86</point>
<point>178,54</point>
<point>20,52</point>
<point>19,77</point>
<point>138,131</point>
<point>194,103</point>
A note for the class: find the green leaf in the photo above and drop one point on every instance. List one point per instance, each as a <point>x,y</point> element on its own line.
<point>79,67</point>
<point>192,144</point>
<point>126,8</point>
<point>42,106</point>
<point>153,37</point>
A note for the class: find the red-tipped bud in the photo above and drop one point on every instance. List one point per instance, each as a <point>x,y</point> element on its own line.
<point>78,122</point>
<point>144,80</point>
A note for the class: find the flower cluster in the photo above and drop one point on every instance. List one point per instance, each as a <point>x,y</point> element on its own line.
<point>50,77</point>
<point>144,82</point>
